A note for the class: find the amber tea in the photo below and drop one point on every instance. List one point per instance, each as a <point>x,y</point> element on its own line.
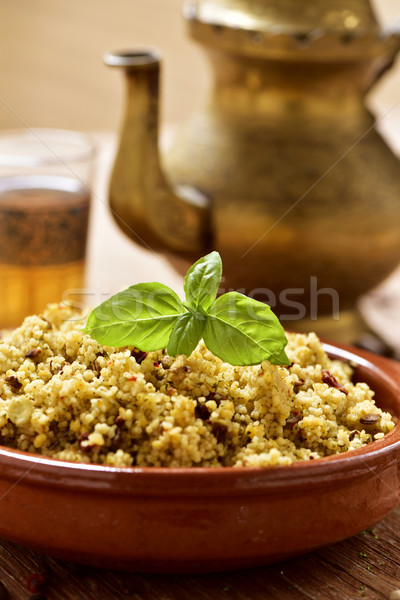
<point>43,231</point>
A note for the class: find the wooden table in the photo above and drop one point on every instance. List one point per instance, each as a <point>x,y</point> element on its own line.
<point>367,565</point>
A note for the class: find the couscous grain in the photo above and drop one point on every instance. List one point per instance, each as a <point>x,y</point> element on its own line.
<point>64,395</point>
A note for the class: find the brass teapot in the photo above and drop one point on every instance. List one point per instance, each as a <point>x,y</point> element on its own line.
<point>283,172</point>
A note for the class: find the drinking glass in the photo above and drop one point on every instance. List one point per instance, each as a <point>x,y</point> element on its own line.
<point>45,182</point>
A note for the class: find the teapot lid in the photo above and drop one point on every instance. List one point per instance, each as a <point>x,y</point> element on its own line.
<point>337,29</point>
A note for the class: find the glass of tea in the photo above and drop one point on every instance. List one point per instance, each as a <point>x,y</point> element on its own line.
<point>45,183</point>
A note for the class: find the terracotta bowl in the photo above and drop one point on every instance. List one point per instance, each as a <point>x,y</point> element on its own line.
<point>188,520</point>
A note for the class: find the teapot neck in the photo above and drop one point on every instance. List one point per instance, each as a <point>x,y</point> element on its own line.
<point>244,77</point>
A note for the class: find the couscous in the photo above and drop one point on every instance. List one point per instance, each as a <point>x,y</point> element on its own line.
<point>65,396</point>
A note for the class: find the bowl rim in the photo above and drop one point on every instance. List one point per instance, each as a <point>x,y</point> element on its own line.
<point>26,467</point>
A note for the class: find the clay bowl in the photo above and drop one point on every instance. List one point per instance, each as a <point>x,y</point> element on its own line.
<point>188,520</point>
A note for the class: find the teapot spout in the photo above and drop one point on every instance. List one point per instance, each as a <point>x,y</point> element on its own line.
<point>142,201</point>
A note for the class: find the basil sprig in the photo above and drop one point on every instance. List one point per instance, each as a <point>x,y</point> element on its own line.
<point>150,316</point>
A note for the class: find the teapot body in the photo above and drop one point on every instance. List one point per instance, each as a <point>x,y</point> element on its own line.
<point>305,194</point>
<point>283,171</point>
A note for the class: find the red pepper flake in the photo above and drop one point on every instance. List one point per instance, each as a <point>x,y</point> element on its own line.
<point>35,583</point>
<point>156,364</point>
<point>330,380</point>
<point>132,378</point>
<point>109,363</point>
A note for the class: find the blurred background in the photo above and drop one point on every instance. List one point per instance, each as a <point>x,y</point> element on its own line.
<point>52,73</point>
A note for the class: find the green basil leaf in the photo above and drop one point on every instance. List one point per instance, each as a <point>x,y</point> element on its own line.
<point>242,331</point>
<point>150,316</point>
<point>186,334</point>
<point>143,315</point>
<point>202,281</point>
